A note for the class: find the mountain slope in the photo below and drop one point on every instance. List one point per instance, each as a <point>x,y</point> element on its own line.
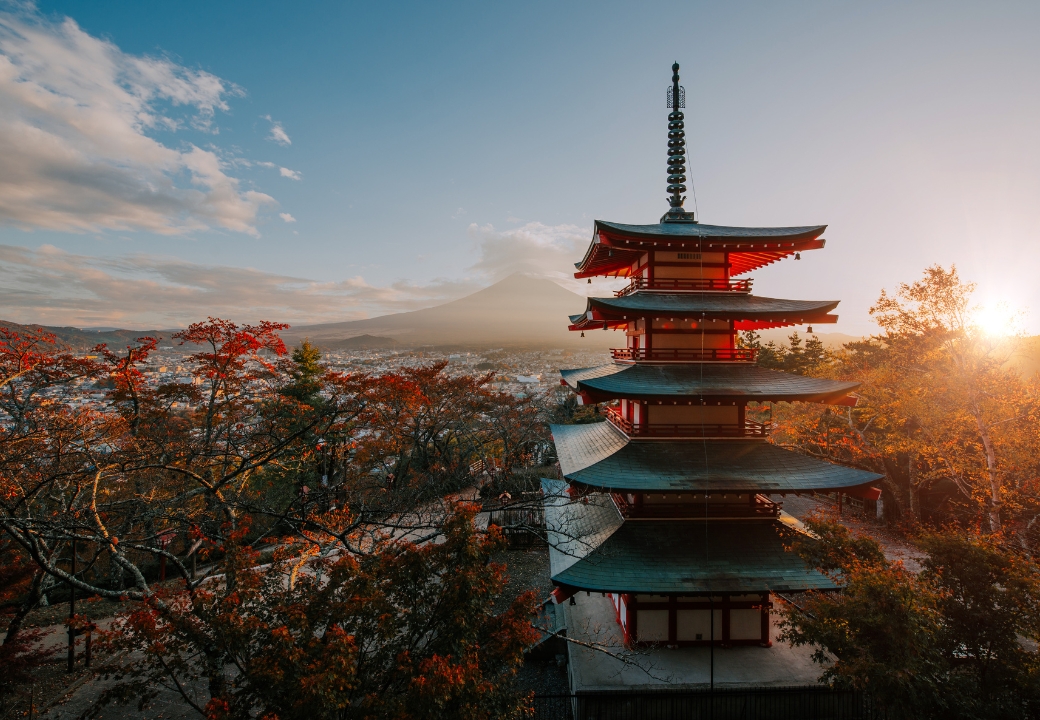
<point>519,310</point>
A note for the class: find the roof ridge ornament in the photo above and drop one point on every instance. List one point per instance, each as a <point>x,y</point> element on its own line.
<point>675,99</point>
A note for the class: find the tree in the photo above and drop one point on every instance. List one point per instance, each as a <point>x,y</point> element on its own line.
<point>306,373</point>
<point>403,631</point>
<point>35,372</point>
<point>942,643</point>
<point>989,598</point>
<point>936,311</point>
<point>939,409</point>
<point>221,469</point>
<point>21,584</point>
<point>807,359</point>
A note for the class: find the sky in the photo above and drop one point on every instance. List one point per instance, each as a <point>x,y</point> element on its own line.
<point>161,162</point>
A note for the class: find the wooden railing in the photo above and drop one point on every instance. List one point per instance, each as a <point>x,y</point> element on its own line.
<point>689,284</point>
<point>760,506</point>
<point>686,354</point>
<point>749,429</point>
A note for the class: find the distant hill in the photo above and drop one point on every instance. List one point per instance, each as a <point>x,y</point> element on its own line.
<point>87,339</point>
<point>361,342</point>
<point>518,311</point>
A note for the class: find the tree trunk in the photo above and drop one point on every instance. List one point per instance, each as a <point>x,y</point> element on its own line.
<point>902,490</point>
<point>993,502</point>
<point>31,601</point>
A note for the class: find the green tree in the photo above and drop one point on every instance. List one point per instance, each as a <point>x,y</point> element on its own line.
<point>989,599</point>
<point>946,642</point>
<point>814,356</point>
<point>306,373</point>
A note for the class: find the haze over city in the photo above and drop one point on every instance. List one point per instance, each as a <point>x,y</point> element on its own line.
<point>168,161</point>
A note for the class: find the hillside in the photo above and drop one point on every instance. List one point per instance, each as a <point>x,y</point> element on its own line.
<point>86,339</point>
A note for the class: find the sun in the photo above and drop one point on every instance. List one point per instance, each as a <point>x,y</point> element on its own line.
<point>997,319</point>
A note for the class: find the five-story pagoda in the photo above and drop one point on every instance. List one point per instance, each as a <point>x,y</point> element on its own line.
<point>665,507</point>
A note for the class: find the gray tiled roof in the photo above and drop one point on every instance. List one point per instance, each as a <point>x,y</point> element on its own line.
<point>729,380</point>
<point>696,230</point>
<point>687,557</point>
<point>736,306</point>
<point>598,455</point>
<point>575,527</point>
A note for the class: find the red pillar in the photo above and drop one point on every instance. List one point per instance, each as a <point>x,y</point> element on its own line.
<point>766,641</point>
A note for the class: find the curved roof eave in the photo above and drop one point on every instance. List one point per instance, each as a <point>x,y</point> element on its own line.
<point>758,246</point>
<point>675,558</point>
<point>729,380</point>
<point>698,231</point>
<point>735,306</point>
<point>600,456</point>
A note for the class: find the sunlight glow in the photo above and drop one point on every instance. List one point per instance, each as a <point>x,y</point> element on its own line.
<point>998,319</point>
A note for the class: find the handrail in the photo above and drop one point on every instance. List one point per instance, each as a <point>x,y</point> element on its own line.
<point>688,284</point>
<point>749,429</point>
<point>761,507</point>
<point>686,354</point>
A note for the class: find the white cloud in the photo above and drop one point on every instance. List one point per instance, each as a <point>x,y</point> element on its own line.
<point>54,287</point>
<point>291,174</point>
<point>277,133</point>
<point>75,113</point>
<point>547,251</point>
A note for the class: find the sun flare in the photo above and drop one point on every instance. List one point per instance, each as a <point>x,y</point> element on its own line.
<point>998,319</point>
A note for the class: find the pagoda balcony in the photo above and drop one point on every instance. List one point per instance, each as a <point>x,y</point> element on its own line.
<point>750,429</point>
<point>685,354</point>
<point>759,507</point>
<point>688,284</point>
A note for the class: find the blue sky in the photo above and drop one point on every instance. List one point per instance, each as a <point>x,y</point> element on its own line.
<point>323,161</point>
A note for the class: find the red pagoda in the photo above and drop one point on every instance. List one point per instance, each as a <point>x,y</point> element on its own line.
<point>666,507</point>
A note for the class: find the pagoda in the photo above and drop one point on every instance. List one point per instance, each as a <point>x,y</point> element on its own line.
<point>670,507</point>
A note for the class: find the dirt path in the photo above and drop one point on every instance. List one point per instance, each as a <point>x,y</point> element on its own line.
<point>896,548</point>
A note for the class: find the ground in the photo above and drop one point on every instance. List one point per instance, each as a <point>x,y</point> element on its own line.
<point>894,545</point>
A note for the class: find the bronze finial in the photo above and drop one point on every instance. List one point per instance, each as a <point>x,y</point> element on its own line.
<point>676,98</point>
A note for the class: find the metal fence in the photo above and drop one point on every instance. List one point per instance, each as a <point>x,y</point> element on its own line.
<point>787,703</point>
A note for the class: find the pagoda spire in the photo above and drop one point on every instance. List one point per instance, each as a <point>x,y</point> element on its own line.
<point>676,98</point>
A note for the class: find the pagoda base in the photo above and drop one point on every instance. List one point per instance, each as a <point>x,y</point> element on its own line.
<point>593,619</point>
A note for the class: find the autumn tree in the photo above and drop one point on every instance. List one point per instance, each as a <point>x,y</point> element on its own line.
<point>21,586</point>
<point>939,406</point>
<point>946,642</point>
<point>404,630</point>
<point>214,478</point>
<point>36,432</point>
